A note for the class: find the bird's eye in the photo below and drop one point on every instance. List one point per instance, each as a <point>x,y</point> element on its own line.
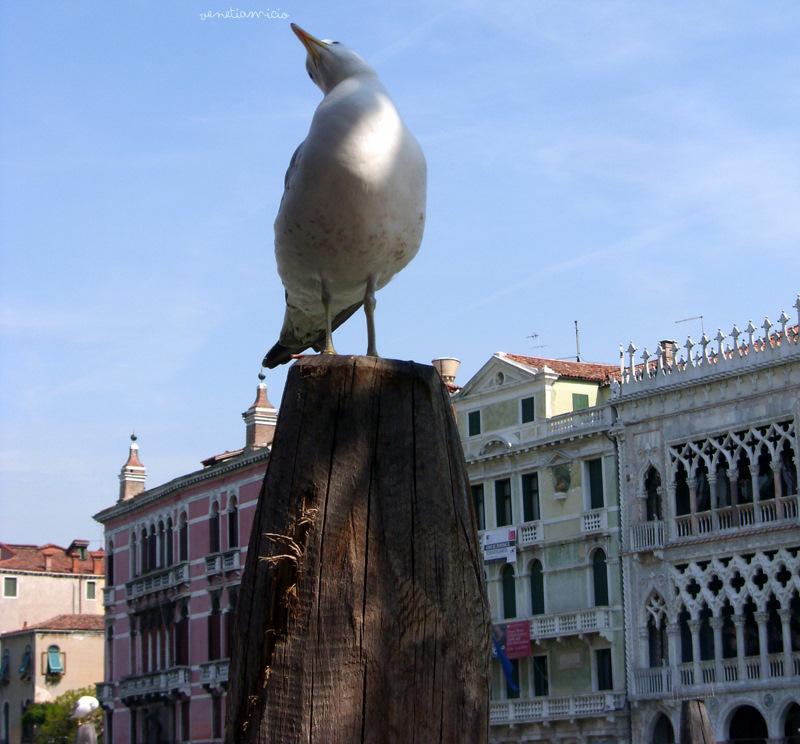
<point>311,76</point>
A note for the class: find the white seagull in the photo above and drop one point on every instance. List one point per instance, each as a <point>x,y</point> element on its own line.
<point>353,207</point>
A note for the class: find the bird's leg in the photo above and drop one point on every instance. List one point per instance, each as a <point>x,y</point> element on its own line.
<point>369,311</point>
<point>326,304</point>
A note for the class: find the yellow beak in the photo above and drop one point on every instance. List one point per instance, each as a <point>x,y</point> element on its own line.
<point>311,43</point>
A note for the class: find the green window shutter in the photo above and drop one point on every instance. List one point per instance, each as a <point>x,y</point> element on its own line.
<point>9,586</point>
<point>528,412</point>
<point>474,423</point>
<point>24,667</point>
<point>595,468</point>
<point>541,683</point>
<point>530,497</point>
<point>55,665</point>
<point>477,501</point>
<point>579,401</point>
<point>502,501</point>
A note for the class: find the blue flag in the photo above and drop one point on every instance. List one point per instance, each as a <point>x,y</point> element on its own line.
<point>508,669</point>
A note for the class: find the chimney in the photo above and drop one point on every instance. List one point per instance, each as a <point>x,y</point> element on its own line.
<point>132,475</point>
<point>48,558</point>
<point>260,419</point>
<point>447,367</point>
<point>669,348</point>
<point>98,564</point>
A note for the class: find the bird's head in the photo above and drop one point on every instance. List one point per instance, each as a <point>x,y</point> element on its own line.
<point>329,62</point>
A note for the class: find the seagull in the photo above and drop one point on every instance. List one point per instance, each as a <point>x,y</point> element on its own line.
<point>353,206</point>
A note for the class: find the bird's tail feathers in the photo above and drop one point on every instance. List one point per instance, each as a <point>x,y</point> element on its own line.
<point>278,354</point>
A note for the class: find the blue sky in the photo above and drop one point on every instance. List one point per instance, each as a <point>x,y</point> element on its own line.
<point>625,164</point>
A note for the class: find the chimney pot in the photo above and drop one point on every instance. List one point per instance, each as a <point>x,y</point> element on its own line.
<point>669,348</point>
<point>447,367</point>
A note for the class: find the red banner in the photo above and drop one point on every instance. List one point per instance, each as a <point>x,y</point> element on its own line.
<point>518,639</point>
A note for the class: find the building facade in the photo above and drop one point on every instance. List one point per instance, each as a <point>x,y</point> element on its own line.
<point>45,660</point>
<point>543,474</point>
<point>175,554</point>
<point>709,462</point>
<point>39,582</point>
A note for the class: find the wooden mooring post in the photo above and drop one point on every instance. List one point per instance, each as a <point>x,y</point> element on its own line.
<point>362,614</point>
<point>695,726</point>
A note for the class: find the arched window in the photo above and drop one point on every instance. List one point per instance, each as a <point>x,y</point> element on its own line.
<point>686,636</point>
<point>537,588</point>
<point>791,725</point>
<point>110,652</point>
<point>702,488</point>
<point>747,726</point>
<point>706,635</point>
<point>788,470</point>
<point>134,550</point>
<point>145,551</point>
<point>682,502</point>
<point>751,645</point>
<point>183,538</point>
<point>600,578</point>
<point>663,733</point>
<point>728,632</point>
<point>214,628</point>
<point>722,487</point>
<point>230,621</point>
<point>233,523</point>
<point>766,480</point>
<point>162,544</point>
<point>110,564</point>
<point>55,661</point>
<point>169,539</point>
<point>213,529</point>
<point>774,627</point>
<point>652,487</point>
<point>509,592</point>
<point>152,546</point>
<point>744,481</point>
<point>657,641</point>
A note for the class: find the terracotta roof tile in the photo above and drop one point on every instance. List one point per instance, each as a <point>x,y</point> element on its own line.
<point>588,371</point>
<point>32,558</point>
<point>66,622</point>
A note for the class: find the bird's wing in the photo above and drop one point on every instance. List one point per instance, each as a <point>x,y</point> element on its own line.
<point>281,353</point>
<point>287,179</point>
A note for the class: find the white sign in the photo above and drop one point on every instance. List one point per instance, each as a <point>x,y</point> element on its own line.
<point>499,545</point>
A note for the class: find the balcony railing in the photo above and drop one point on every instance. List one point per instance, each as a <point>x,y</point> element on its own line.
<point>213,564</point>
<point>165,578</point>
<point>725,674</point>
<point>230,560</point>
<point>547,708</point>
<point>563,624</point>
<point>731,519</point>
<point>530,533</point>
<point>108,596</point>
<point>167,682</point>
<point>647,536</point>
<point>214,673</point>
<point>594,520</point>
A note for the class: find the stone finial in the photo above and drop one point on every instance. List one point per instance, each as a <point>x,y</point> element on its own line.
<point>704,342</point>
<point>689,345</point>
<point>720,338</point>
<point>735,333</point>
<point>631,352</point>
<point>645,366</point>
<point>796,306</point>
<point>783,319</point>
<point>660,356</point>
<point>751,329</point>
<point>621,362</point>
<point>766,325</point>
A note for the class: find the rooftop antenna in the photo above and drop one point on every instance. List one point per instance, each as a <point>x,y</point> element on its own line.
<point>534,337</point>
<point>577,343</point>
<point>694,317</point>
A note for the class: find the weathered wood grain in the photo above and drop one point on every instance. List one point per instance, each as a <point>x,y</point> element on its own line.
<point>695,726</point>
<point>362,614</point>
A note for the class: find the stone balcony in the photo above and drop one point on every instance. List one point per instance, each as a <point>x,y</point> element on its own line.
<point>595,520</point>
<point>525,436</point>
<point>156,581</point>
<point>214,564</point>
<point>646,536</point>
<point>214,674</point>
<point>530,534</point>
<point>726,675</point>
<point>105,694</point>
<point>108,596</point>
<point>578,623</point>
<point>733,520</point>
<point>172,682</point>
<point>550,708</point>
<point>231,561</point>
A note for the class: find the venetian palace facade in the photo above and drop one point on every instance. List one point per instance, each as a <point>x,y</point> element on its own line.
<point>709,465</point>
<point>174,556</point>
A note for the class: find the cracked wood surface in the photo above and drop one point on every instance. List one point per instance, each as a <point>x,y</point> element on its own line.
<point>362,612</point>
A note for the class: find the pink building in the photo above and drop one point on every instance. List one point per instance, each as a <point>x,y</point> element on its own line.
<point>175,555</point>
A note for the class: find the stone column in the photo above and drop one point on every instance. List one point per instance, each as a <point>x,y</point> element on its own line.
<point>716,626</point>
<point>733,479</point>
<point>644,647</point>
<point>693,503</point>
<point>694,627</point>
<point>756,494</point>
<point>786,629</point>
<point>673,629</point>
<point>712,500</point>
<point>669,525</point>
<point>776,479</point>
<point>761,619</point>
<point>738,621</point>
